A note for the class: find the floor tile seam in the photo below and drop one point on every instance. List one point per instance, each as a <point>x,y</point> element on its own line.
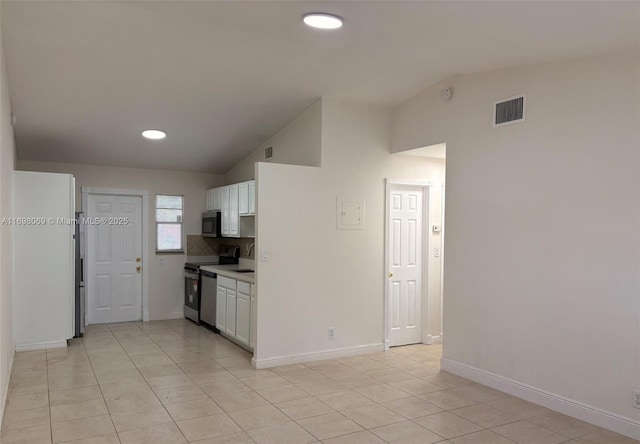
<point>49,396</point>
<point>316,416</point>
<point>312,416</point>
<point>558,433</point>
<point>150,388</point>
<point>413,420</point>
<point>207,394</point>
<point>315,396</point>
<point>566,438</point>
<point>101,392</point>
<point>479,425</point>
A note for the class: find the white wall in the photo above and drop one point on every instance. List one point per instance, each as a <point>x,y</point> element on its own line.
<point>7,163</point>
<point>166,282</point>
<point>318,276</point>
<point>543,241</point>
<point>298,143</point>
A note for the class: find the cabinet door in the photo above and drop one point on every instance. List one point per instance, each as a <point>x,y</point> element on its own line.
<point>226,219</point>
<point>234,216</point>
<point>217,199</point>
<point>243,318</point>
<point>252,197</point>
<point>221,307</point>
<point>230,327</point>
<point>243,198</point>
<point>254,318</point>
<point>209,200</point>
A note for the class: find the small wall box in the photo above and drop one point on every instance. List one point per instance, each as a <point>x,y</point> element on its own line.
<point>437,228</point>
<point>350,213</point>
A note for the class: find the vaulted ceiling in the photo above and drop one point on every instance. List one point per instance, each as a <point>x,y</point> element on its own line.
<point>221,77</point>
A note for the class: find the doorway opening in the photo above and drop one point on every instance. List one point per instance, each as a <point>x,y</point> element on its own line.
<point>414,248</point>
<point>116,230</point>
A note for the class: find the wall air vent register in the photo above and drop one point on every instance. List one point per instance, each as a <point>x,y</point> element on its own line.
<point>509,111</point>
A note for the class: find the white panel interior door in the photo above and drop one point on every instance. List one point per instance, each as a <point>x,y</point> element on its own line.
<point>114,259</point>
<point>405,266</point>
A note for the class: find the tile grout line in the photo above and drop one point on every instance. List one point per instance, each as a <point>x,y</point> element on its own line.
<point>100,388</point>
<point>46,364</point>
<point>146,382</point>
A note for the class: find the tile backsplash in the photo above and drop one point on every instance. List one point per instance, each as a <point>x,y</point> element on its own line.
<point>198,245</point>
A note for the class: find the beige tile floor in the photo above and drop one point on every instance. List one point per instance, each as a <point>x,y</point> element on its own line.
<point>174,382</point>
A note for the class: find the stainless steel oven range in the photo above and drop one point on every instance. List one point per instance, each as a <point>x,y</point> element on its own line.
<point>193,281</point>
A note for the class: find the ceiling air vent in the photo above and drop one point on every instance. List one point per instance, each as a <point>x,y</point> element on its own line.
<point>268,153</point>
<point>509,111</point>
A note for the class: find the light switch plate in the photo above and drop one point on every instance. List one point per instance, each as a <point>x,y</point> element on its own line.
<point>266,255</point>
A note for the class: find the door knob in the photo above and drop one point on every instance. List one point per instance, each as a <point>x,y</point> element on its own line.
<point>390,274</point>
<point>138,268</point>
<point>138,259</point>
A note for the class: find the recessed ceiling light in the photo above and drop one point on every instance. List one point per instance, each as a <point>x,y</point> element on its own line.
<point>322,21</point>
<point>154,134</point>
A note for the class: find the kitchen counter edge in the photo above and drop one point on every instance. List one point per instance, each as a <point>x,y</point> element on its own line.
<point>229,271</point>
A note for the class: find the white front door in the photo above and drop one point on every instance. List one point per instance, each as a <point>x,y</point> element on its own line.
<point>114,258</point>
<point>405,265</point>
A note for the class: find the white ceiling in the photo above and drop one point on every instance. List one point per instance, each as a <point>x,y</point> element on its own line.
<point>221,77</point>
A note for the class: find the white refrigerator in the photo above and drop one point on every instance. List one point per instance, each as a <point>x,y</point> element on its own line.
<point>43,259</point>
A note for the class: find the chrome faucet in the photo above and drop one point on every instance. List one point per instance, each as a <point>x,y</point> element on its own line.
<point>250,248</point>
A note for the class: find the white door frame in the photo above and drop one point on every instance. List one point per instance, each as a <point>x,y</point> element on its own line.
<point>144,194</point>
<point>426,240</point>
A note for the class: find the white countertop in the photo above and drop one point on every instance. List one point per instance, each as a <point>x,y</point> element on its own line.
<point>230,271</point>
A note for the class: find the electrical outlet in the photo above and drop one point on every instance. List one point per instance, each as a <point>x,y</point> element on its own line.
<point>331,333</point>
<point>161,262</point>
<point>636,398</point>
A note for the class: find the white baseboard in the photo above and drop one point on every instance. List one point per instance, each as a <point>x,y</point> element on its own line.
<point>318,356</point>
<point>433,339</point>
<point>165,316</point>
<point>145,315</point>
<point>3,401</point>
<point>41,345</point>
<point>593,415</point>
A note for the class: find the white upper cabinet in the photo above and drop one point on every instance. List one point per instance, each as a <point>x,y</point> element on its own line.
<point>243,198</point>
<point>217,200</point>
<point>252,197</point>
<point>234,215</point>
<point>214,201</point>
<point>234,201</point>
<point>226,211</point>
<point>247,198</point>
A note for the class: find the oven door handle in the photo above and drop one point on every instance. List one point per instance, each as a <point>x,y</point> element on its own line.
<point>193,276</point>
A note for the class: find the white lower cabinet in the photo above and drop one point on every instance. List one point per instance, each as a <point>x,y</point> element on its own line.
<point>221,308</point>
<point>235,306</point>
<point>230,327</point>
<point>243,314</point>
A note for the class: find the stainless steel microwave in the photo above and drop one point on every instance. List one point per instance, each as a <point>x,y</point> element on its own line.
<point>211,221</point>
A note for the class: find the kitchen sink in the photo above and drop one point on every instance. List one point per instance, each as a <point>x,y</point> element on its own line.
<point>244,270</point>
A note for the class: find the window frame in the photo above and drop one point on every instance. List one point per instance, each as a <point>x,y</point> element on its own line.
<point>158,223</point>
